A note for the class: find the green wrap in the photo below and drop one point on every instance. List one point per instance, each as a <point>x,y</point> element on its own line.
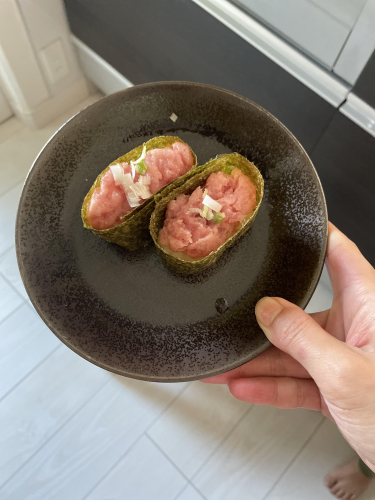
<point>223,163</point>
<point>133,231</point>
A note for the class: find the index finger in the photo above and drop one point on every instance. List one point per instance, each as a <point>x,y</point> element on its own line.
<point>271,363</point>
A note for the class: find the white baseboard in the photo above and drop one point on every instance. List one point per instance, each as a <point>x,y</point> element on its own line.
<point>360,113</point>
<point>50,109</point>
<point>102,74</point>
<point>301,67</point>
<point>109,80</point>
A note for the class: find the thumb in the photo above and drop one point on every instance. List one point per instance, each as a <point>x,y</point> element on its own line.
<point>295,332</point>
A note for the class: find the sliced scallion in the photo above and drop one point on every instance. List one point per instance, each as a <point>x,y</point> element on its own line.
<point>218,217</point>
<point>142,167</point>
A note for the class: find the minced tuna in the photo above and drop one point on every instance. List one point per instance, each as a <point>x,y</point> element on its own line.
<point>109,202</point>
<point>187,231</point>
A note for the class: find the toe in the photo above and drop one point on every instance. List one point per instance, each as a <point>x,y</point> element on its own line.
<point>340,494</point>
<point>329,481</point>
<point>334,490</point>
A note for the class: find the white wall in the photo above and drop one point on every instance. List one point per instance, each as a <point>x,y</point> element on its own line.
<point>38,66</point>
<point>5,110</point>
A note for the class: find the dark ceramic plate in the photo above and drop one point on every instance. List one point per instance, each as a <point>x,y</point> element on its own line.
<point>124,311</point>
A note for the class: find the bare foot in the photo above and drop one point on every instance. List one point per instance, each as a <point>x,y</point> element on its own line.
<point>347,482</point>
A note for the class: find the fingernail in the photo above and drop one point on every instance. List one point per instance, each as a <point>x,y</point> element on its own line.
<point>335,238</point>
<point>266,310</point>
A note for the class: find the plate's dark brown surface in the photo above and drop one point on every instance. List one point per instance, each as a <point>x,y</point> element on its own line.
<point>124,311</point>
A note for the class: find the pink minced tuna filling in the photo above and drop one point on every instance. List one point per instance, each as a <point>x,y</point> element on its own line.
<point>109,203</point>
<point>190,233</point>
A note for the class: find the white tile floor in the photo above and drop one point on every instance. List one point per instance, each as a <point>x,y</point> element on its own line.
<point>69,430</point>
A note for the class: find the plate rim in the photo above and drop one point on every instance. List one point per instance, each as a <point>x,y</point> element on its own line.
<point>173,379</point>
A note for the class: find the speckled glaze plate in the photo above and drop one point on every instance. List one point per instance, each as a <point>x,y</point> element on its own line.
<point>125,311</point>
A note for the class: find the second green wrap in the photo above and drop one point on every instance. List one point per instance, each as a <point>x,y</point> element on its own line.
<point>224,163</point>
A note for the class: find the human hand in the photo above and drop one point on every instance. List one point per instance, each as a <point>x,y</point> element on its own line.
<point>323,361</point>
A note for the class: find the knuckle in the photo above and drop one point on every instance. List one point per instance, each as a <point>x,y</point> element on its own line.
<point>290,328</point>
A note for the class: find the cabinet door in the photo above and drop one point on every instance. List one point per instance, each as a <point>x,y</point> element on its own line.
<point>338,34</point>
<point>344,159</point>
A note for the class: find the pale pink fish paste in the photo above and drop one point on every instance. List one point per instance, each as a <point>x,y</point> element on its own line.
<point>108,202</point>
<point>194,235</point>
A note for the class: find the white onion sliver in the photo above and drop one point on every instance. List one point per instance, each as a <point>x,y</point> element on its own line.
<point>146,180</point>
<point>135,203</point>
<point>146,193</point>
<point>139,190</point>
<point>127,181</point>
<point>210,203</point>
<point>197,211</point>
<point>136,189</point>
<point>133,168</point>
<point>145,189</point>
<point>133,200</point>
<point>210,214</point>
<point>117,173</point>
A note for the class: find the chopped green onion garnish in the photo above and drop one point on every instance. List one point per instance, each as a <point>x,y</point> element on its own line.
<point>218,217</point>
<point>142,167</point>
<point>205,211</point>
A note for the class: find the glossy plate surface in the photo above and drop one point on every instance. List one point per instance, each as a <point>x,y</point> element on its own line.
<point>124,311</point>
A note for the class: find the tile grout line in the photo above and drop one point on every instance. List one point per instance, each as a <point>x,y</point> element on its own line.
<point>4,141</point>
<point>149,427</point>
<point>224,439</point>
<point>12,286</point>
<point>213,453</point>
<point>6,250</point>
<point>29,373</point>
<point>189,483</point>
<point>294,458</point>
<point>174,466</point>
<point>181,492</point>
<point>3,320</point>
<point>329,14</point>
<point>54,433</point>
<point>114,465</point>
<point>311,150</point>
<point>13,186</point>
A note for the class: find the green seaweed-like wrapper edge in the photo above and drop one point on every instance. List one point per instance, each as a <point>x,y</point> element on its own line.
<point>133,232</point>
<point>223,163</point>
